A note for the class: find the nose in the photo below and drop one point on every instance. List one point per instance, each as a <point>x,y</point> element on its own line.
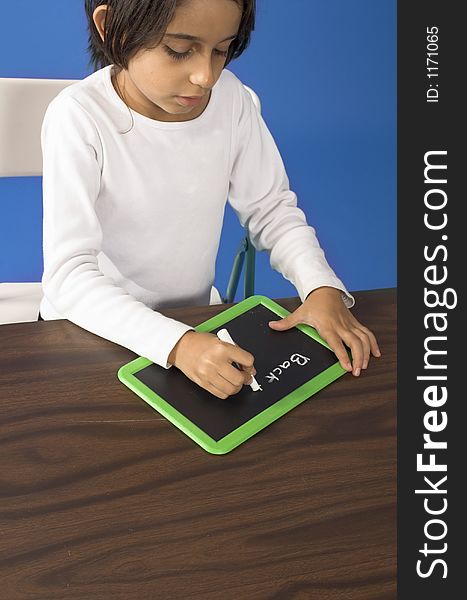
<point>202,73</point>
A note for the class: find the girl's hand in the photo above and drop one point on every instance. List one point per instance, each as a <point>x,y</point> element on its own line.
<point>207,361</point>
<point>324,310</point>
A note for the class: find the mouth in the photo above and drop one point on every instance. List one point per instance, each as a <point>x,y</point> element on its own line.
<point>189,100</point>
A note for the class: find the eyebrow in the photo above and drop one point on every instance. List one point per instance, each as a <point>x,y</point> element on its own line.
<point>186,36</point>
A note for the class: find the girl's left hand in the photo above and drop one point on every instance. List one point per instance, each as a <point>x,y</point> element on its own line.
<point>324,310</point>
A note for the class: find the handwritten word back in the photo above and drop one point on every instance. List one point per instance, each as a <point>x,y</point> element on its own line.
<point>295,359</point>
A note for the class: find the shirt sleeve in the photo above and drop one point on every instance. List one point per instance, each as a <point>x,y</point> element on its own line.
<point>261,197</point>
<point>72,239</point>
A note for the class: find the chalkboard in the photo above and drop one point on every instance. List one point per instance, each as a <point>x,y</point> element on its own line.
<point>291,366</point>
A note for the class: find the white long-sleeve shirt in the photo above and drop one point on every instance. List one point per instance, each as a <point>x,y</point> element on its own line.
<point>133,210</point>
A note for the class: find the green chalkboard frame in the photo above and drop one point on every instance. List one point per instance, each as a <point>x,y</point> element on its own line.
<point>126,375</point>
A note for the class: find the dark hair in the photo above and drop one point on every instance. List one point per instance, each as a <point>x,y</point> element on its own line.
<point>132,25</point>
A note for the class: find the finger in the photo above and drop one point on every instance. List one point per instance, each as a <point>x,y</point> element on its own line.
<point>214,384</point>
<point>242,357</point>
<point>366,346</point>
<point>248,376</point>
<point>237,377</point>
<point>233,376</point>
<point>226,386</point>
<point>285,323</point>
<point>375,350</point>
<point>356,347</point>
<point>215,391</point>
<point>336,345</point>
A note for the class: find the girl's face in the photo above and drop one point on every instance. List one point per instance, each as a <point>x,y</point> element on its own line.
<point>172,81</point>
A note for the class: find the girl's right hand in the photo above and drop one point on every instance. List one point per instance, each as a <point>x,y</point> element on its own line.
<point>207,361</point>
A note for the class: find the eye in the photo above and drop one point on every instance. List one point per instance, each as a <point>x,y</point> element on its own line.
<point>177,55</point>
<point>183,55</point>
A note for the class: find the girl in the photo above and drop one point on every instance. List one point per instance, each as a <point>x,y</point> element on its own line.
<point>139,159</point>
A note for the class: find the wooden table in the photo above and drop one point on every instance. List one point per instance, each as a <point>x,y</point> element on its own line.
<point>101,497</point>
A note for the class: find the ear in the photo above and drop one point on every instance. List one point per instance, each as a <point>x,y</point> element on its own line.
<point>99,16</point>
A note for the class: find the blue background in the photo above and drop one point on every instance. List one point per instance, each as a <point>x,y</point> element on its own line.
<point>325,71</point>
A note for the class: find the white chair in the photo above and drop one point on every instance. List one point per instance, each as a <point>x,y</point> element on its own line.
<point>23,103</point>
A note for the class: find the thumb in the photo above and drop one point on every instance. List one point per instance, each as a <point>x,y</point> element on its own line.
<point>283,324</point>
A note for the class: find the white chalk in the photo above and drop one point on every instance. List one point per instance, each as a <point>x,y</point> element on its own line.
<point>225,336</point>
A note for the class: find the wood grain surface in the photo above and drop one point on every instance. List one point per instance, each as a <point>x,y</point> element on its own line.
<point>102,498</point>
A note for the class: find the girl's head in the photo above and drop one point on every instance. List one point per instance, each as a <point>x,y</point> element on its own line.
<point>167,49</point>
<point>134,25</point>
